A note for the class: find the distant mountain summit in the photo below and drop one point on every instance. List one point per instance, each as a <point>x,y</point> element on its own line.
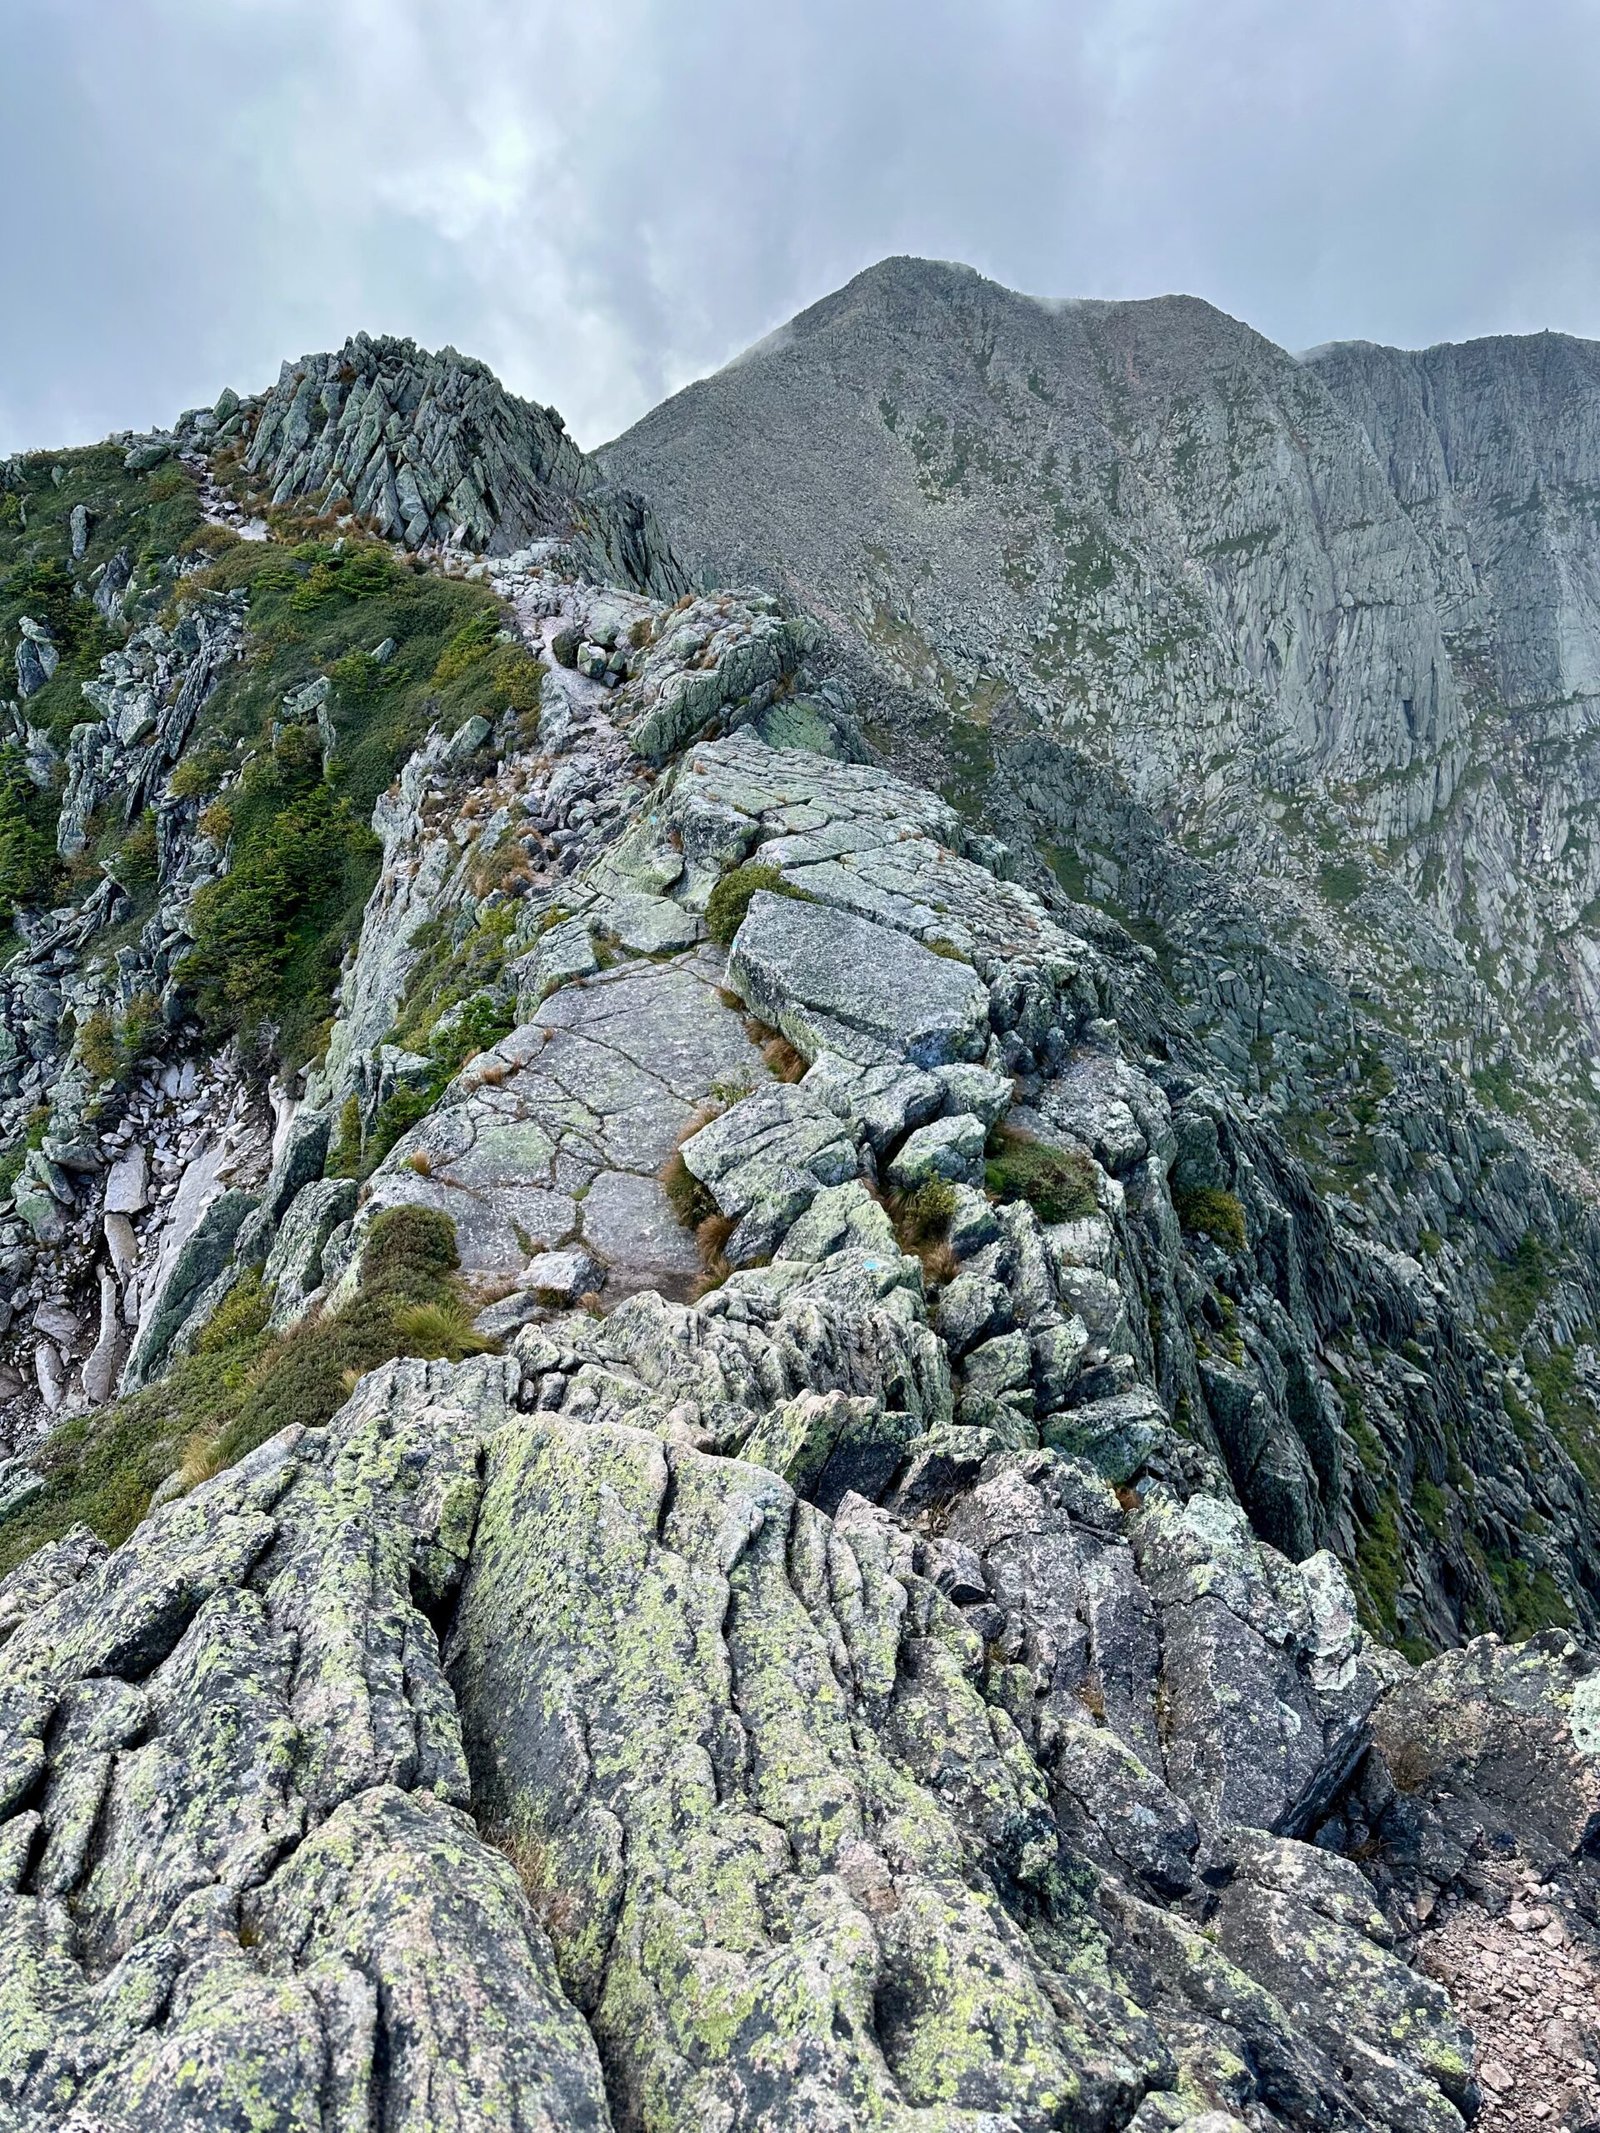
<point>1336,618</point>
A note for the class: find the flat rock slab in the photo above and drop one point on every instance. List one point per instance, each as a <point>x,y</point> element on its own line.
<point>628,1221</point>
<point>127,1184</point>
<point>555,1136</point>
<point>813,972</point>
<point>650,925</point>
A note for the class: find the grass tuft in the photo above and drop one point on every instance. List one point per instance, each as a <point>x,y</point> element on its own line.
<point>1057,1183</point>
<point>1210,1212</point>
<point>730,899</point>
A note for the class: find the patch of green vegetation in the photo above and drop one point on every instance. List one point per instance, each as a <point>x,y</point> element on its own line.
<point>923,1216</point>
<point>1342,882</point>
<point>409,1258</point>
<point>1068,869</point>
<point>1497,1085</point>
<point>271,935</point>
<point>1208,1211</point>
<point>1519,1285</point>
<point>32,1137</point>
<point>1432,1506</point>
<point>29,869</point>
<point>1057,1183</point>
<point>133,856</point>
<point>451,970</point>
<point>243,1384</point>
<point>1368,1444</point>
<point>155,516</point>
<point>1530,1598</point>
<point>481,1023</point>
<point>1375,1084</point>
<point>113,1047</point>
<point>1519,1415</point>
<point>344,1156</point>
<point>1568,1410</point>
<point>472,642</point>
<point>1380,1567</point>
<point>731,898</point>
<point>971,757</point>
<point>199,773</point>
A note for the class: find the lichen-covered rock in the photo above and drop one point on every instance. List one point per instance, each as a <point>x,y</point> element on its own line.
<point>765,1160</point>
<point>949,1148</point>
<point>293,1266</point>
<point>762,1910</point>
<point>830,980</point>
<point>283,1906</point>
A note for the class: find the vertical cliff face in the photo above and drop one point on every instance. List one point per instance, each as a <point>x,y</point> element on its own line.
<point>1492,450</point>
<point>1333,619</point>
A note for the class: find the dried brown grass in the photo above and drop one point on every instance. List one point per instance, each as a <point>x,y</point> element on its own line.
<point>783,1062</point>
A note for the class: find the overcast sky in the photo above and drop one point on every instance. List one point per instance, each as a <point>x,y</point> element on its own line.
<point>605,198</point>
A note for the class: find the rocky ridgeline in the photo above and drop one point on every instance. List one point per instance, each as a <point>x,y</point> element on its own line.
<point>897,1628</point>
<point>843,1698</point>
<point>847,1689</point>
<point>431,449</point>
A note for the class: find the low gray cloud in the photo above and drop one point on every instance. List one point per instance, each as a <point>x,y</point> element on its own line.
<point>604,198</point>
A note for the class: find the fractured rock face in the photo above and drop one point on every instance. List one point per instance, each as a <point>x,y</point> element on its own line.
<point>288,1891</point>
<point>828,977</point>
<point>432,448</point>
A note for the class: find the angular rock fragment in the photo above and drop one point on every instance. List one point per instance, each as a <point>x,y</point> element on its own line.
<point>828,979</point>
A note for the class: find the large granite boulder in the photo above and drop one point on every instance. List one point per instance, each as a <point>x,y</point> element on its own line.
<point>830,980</point>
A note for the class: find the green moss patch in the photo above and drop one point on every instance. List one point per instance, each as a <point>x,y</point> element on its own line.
<point>1210,1212</point>
<point>1057,1183</point>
